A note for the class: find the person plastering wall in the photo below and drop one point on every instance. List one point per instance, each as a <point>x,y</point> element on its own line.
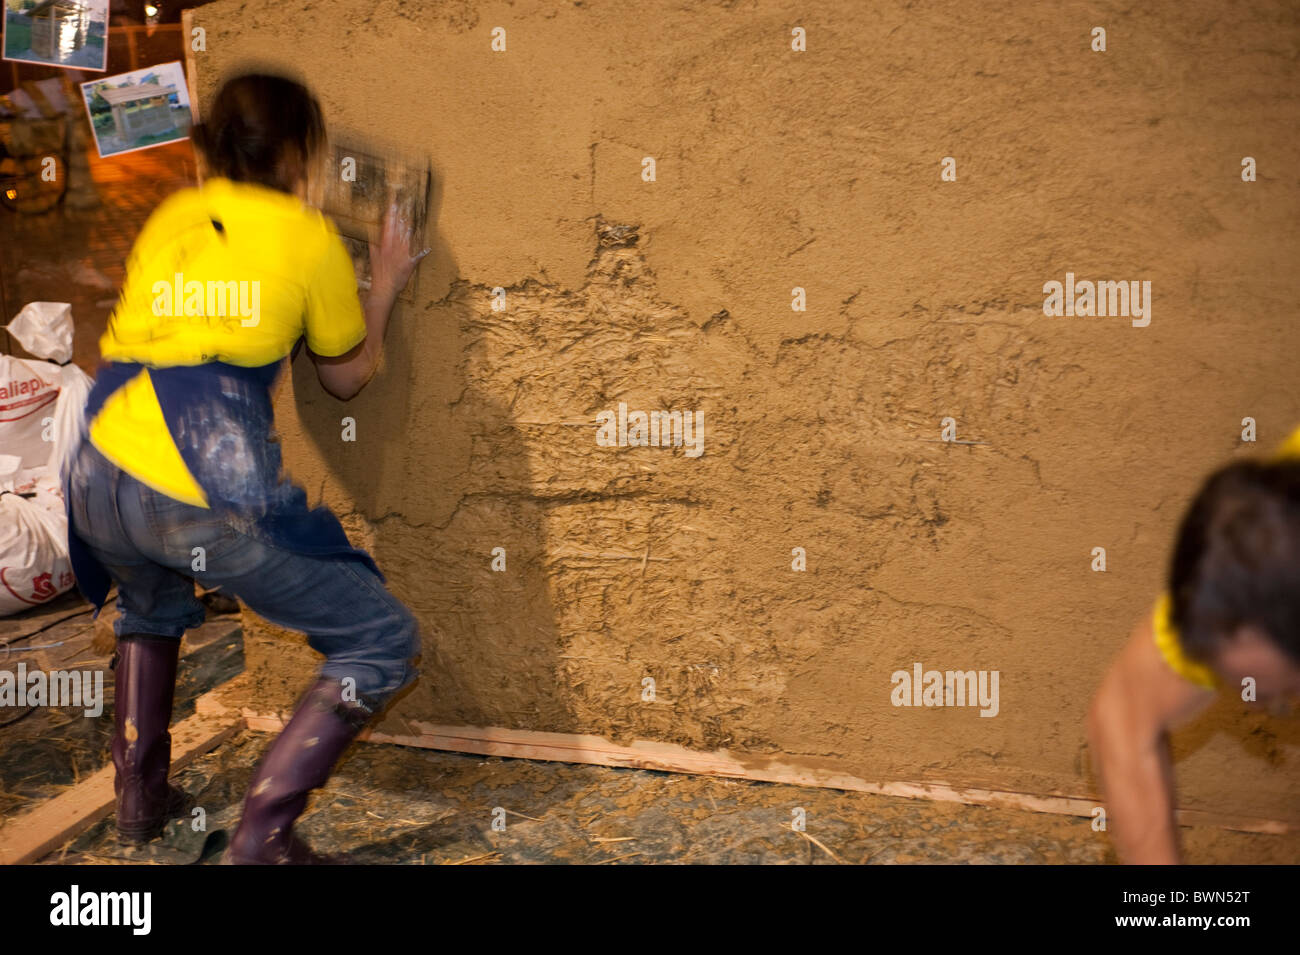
<point>178,476</point>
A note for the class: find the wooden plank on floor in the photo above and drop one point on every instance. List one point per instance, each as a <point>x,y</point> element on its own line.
<point>669,757</point>
<point>29,837</point>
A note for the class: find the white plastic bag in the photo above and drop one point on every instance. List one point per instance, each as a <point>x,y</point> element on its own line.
<point>29,394</point>
<point>34,565</point>
<point>42,419</point>
<point>45,330</point>
<point>42,404</point>
<point>69,417</point>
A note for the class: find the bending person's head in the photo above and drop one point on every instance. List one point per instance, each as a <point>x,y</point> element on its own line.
<point>261,128</point>
<point>1235,576</point>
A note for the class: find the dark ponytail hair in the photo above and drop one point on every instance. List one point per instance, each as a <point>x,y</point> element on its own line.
<point>256,126</point>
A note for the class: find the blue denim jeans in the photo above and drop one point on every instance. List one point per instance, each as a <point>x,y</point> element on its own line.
<point>147,540</point>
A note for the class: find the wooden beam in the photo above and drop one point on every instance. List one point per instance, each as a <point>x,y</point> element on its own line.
<point>669,757</point>
<point>40,831</point>
<point>29,837</point>
<point>191,69</point>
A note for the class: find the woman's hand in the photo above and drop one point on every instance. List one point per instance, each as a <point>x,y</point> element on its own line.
<point>391,262</point>
<point>391,265</point>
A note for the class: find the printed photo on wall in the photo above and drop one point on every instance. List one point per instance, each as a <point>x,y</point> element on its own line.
<point>67,33</point>
<point>354,188</point>
<point>131,111</point>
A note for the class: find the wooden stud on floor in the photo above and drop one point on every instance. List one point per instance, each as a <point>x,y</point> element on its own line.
<point>28,837</point>
<point>669,757</point>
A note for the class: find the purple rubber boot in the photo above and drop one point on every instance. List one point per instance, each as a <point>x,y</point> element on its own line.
<point>145,684</point>
<point>300,760</point>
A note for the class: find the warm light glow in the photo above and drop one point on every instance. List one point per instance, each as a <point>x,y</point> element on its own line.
<point>11,193</point>
<point>150,10</point>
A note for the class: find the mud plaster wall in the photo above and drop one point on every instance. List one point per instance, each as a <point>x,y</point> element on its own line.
<point>818,170</point>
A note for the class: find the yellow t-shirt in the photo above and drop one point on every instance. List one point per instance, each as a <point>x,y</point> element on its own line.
<point>233,272</point>
<point>1171,648</point>
<point>1166,634</point>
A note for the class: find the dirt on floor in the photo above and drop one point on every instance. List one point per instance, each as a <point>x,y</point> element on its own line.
<point>390,804</point>
<point>393,804</point>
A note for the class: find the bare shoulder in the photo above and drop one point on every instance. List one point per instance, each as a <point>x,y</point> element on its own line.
<point>1148,685</point>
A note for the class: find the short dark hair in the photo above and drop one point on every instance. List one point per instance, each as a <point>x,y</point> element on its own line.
<point>1237,559</point>
<point>256,121</point>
